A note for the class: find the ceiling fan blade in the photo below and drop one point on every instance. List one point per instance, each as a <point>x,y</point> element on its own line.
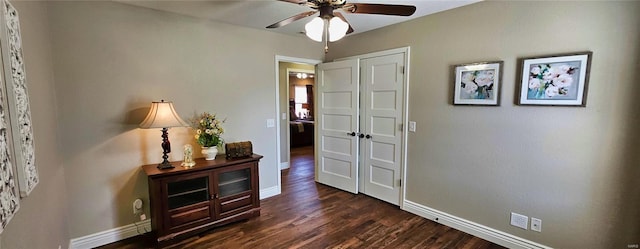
<point>298,2</point>
<point>380,9</point>
<point>339,15</point>
<point>291,19</point>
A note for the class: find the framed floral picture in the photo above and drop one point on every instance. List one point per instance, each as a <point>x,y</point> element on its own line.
<point>558,80</point>
<point>477,83</point>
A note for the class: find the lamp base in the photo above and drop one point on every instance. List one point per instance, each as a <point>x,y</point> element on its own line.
<point>165,165</point>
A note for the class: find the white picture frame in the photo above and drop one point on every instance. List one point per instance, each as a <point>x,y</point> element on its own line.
<point>555,80</point>
<point>478,83</point>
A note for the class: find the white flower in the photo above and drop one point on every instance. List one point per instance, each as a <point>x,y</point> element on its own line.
<point>198,131</point>
<point>548,77</point>
<point>484,79</point>
<point>208,131</point>
<point>564,68</point>
<point>467,78</point>
<point>564,80</point>
<point>551,91</point>
<point>534,83</point>
<point>558,70</point>
<point>470,88</point>
<point>535,70</point>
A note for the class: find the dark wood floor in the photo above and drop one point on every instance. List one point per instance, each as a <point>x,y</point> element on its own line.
<point>312,215</point>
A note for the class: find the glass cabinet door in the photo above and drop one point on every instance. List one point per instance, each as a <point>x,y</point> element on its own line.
<point>234,182</point>
<point>188,192</point>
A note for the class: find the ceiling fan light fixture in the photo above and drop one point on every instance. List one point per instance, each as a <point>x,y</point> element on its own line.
<point>337,29</point>
<point>314,29</point>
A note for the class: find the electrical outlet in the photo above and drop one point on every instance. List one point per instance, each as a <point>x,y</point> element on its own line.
<point>143,217</point>
<point>520,221</point>
<point>137,206</point>
<point>536,224</point>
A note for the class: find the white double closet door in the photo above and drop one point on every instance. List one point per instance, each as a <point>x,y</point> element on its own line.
<point>359,124</point>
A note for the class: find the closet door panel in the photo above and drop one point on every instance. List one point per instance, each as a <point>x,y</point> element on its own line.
<point>337,125</point>
<point>382,90</point>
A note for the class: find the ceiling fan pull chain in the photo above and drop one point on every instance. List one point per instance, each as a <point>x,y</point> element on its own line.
<point>326,36</point>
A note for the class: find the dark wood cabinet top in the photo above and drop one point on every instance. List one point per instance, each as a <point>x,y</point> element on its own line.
<point>152,169</point>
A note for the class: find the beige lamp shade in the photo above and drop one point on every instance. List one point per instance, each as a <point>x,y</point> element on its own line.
<point>162,115</point>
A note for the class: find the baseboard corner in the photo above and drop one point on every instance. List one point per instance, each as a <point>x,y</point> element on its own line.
<point>269,192</point>
<point>284,165</point>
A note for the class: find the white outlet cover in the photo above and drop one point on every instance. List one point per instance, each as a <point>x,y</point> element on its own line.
<point>536,224</point>
<point>520,221</point>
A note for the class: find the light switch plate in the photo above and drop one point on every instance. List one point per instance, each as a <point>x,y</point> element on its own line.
<point>412,126</point>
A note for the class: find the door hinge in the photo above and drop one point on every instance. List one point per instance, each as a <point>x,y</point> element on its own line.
<point>402,69</point>
<point>399,182</point>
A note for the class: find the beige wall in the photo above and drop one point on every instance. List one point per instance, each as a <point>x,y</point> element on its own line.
<point>111,60</point>
<point>575,168</point>
<point>284,105</point>
<point>41,221</point>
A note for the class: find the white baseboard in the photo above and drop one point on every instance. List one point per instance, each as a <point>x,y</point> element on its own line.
<point>269,192</point>
<point>470,227</point>
<point>128,231</point>
<point>284,165</point>
<point>110,236</point>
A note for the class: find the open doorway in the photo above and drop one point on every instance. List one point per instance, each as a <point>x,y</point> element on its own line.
<point>296,138</point>
<point>301,83</point>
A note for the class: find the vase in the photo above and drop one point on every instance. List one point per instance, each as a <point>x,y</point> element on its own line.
<point>209,153</point>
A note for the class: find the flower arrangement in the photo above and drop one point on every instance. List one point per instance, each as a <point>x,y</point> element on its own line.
<point>208,130</point>
<point>477,84</point>
<point>550,80</point>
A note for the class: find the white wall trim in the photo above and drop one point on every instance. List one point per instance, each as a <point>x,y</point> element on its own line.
<point>270,191</point>
<point>284,165</point>
<point>280,58</point>
<point>470,227</point>
<point>110,236</point>
<point>128,231</point>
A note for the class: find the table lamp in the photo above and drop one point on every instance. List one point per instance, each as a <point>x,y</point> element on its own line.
<point>162,115</point>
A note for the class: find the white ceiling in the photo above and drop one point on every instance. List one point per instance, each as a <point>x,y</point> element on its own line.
<point>260,13</point>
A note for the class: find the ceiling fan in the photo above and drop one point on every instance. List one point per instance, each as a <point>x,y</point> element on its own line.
<point>331,23</point>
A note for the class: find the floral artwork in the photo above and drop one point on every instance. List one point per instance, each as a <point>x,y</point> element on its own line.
<point>19,109</point>
<point>208,129</point>
<point>9,199</point>
<point>477,84</point>
<point>557,80</point>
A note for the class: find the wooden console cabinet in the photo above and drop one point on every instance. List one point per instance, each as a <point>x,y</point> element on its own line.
<point>187,201</point>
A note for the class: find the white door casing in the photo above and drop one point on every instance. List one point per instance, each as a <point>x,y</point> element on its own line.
<point>381,122</point>
<point>337,124</point>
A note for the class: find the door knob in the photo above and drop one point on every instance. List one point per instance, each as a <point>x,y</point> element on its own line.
<point>361,135</point>
<point>368,136</point>
<point>353,134</point>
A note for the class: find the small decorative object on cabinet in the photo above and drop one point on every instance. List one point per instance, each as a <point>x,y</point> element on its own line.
<point>188,156</point>
<point>238,149</point>
<point>209,153</point>
<point>187,201</point>
<point>208,130</point>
